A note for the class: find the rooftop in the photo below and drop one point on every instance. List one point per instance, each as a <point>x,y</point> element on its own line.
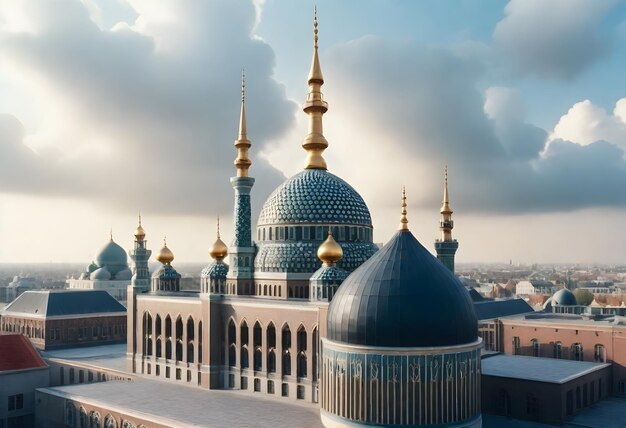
<point>105,356</point>
<point>489,309</point>
<point>182,406</point>
<point>48,303</point>
<point>17,353</point>
<point>549,370</point>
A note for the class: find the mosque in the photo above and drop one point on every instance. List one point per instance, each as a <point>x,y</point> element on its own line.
<point>311,309</point>
<point>108,272</point>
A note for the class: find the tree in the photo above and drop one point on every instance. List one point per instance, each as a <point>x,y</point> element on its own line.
<point>583,297</point>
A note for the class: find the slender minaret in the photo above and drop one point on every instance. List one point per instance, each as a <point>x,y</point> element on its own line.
<point>242,249</point>
<point>446,246</point>
<point>140,256</point>
<point>315,143</point>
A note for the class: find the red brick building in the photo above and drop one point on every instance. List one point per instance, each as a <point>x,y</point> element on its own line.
<point>65,318</point>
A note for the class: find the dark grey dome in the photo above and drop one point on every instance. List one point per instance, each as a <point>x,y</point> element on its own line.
<point>315,196</point>
<point>564,297</point>
<point>402,297</point>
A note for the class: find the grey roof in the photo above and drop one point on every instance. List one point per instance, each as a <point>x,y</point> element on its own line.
<point>550,370</point>
<point>488,309</point>
<point>65,302</point>
<point>181,406</point>
<point>402,297</point>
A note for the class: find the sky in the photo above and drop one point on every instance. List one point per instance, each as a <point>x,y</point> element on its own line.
<point>111,107</point>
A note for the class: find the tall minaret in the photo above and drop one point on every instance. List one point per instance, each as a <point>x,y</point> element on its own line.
<point>140,256</point>
<point>242,249</point>
<point>446,246</point>
<point>315,143</point>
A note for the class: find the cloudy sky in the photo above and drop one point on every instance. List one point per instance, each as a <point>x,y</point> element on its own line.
<point>108,107</point>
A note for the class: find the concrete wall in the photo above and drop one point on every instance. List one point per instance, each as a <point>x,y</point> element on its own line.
<point>21,382</point>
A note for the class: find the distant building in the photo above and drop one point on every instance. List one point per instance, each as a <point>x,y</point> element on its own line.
<point>527,288</point>
<point>22,370</point>
<point>63,318</point>
<point>109,272</point>
<point>541,389</point>
<point>16,287</point>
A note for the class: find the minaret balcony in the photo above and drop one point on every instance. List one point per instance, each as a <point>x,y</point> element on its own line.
<point>446,224</point>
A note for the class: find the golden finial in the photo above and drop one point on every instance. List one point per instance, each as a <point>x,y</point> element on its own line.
<point>315,26</point>
<point>165,255</point>
<point>445,206</point>
<point>315,143</point>
<point>242,162</point>
<point>140,234</point>
<point>330,252</point>
<point>218,250</point>
<point>404,222</point>
<point>111,233</point>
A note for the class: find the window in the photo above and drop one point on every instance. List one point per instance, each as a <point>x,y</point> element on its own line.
<point>535,347</point>
<point>285,390</point>
<point>577,352</point>
<point>16,402</point>
<point>516,345</point>
<point>69,414</point>
<point>270,386</point>
<point>598,354</point>
<point>558,350</point>
<point>300,392</point>
<point>257,385</point>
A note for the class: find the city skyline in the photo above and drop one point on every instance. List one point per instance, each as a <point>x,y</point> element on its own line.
<point>112,110</point>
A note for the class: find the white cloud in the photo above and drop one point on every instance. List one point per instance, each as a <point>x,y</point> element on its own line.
<point>586,123</point>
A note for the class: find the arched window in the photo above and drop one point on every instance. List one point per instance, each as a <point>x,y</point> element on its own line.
<point>286,350</point>
<point>128,424</point>
<point>232,344</point>
<point>179,350</point>
<point>109,422</point>
<point>94,420</point>
<point>168,327</point>
<point>558,350</point>
<point>271,348</point>
<point>258,347</point>
<point>265,289</point>
<point>599,354</point>
<point>577,351</point>
<point>70,414</point>
<point>200,342</point>
<point>83,422</point>
<point>301,356</point>
<point>158,326</point>
<point>179,328</point>
<point>244,345</point>
<point>190,352</point>
<point>314,353</point>
<point>534,343</point>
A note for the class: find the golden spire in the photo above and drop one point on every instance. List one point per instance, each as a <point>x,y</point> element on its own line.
<point>218,250</point>
<point>445,207</point>
<point>140,234</point>
<point>330,252</point>
<point>111,233</point>
<point>446,224</point>
<point>242,162</point>
<point>404,222</point>
<point>315,143</point>
<point>165,255</point>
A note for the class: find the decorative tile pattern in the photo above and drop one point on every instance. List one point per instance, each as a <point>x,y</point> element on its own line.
<point>315,196</point>
<point>216,270</point>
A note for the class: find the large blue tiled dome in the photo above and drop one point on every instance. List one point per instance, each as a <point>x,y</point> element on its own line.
<point>294,221</point>
<point>315,196</point>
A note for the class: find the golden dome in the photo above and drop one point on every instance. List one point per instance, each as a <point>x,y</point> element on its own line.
<point>330,251</point>
<point>218,250</point>
<point>139,232</point>
<point>165,255</point>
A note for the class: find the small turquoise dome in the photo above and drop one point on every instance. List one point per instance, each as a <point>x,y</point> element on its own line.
<point>123,275</point>
<point>113,257</point>
<point>564,297</point>
<point>101,274</point>
<point>216,270</point>
<point>92,266</point>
